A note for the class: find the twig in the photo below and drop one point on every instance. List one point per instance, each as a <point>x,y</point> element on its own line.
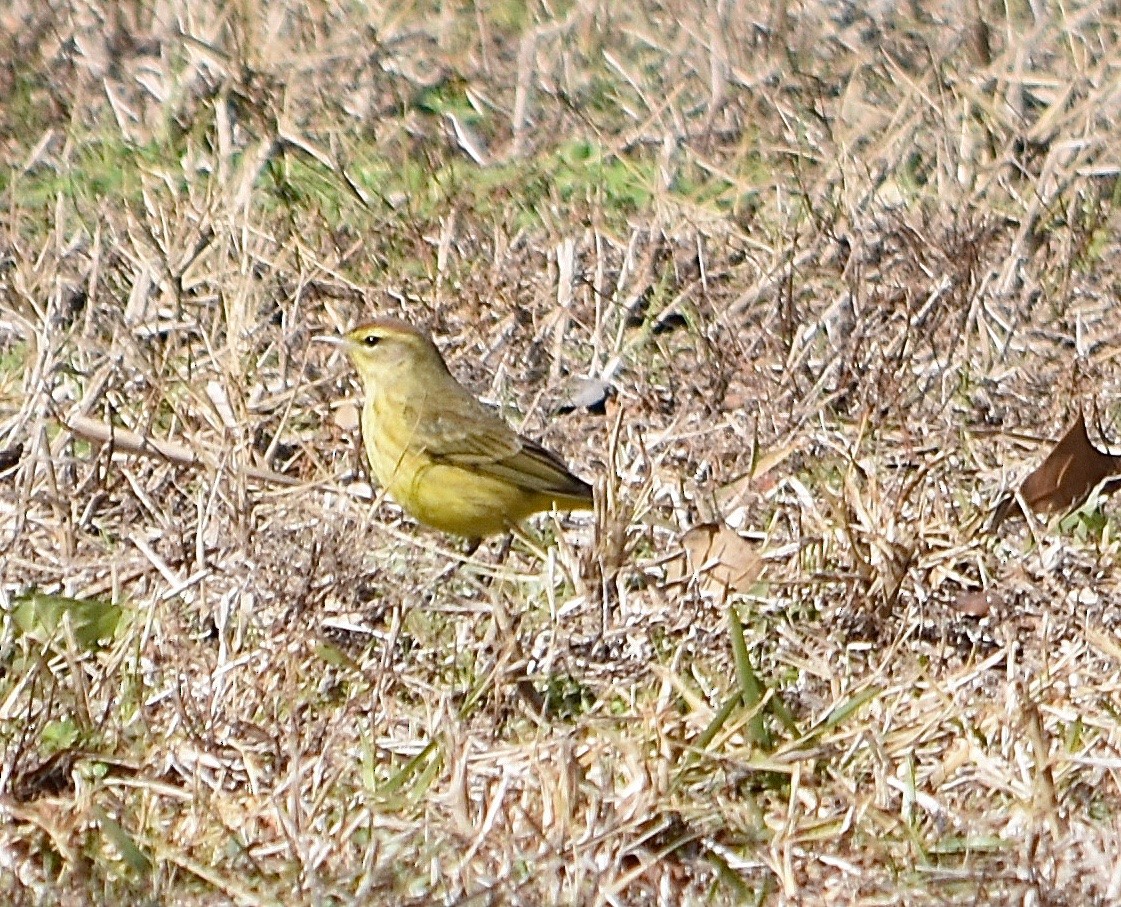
<point>129,442</point>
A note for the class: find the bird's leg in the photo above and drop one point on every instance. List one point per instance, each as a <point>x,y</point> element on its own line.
<point>527,537</point>
<point>449,571</point>
<point>502,620</point>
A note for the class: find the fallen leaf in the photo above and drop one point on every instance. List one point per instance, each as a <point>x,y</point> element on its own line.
<point>39,616</point>
<point>125,843</point>
<point>586,393</point>
<point>1071,471</point>
<point>719,557</point>
<point>346,416</point>
<point>758,478</point>
<point>9,456</point>
<point>974,602</point>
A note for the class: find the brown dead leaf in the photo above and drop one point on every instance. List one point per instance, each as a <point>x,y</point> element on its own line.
<point>346,416</point>
<point>10,456</point>
<point>1071,471</point>
<point>974,602</point>
<point>719,557</point>
<point>758,478</point>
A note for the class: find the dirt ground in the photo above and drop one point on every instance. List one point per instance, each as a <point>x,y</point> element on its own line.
<point>806,290</point>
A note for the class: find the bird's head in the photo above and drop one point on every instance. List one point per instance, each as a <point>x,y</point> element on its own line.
<point>388,349</point>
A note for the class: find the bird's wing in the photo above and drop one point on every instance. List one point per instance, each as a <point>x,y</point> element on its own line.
<point>485,444</point>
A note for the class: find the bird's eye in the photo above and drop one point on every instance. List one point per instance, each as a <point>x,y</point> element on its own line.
<point>371,340</point>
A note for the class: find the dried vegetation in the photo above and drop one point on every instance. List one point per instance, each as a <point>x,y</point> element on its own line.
<point>804,287</point>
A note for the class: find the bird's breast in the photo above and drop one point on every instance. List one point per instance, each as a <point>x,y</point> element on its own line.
<point>392,429</point>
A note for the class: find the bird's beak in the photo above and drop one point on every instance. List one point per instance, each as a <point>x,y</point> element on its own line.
<point>333,339</point>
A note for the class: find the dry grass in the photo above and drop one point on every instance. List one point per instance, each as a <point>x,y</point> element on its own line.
<point>841,268</point>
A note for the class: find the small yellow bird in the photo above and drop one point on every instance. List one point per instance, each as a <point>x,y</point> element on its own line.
<point>445,457</point>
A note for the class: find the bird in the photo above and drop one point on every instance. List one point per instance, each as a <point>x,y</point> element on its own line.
<point>450,461</point>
